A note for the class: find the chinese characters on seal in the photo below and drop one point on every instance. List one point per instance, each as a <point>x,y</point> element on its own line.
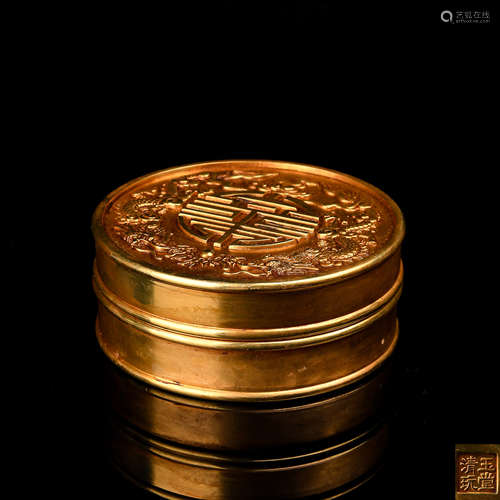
<point>476,472</point>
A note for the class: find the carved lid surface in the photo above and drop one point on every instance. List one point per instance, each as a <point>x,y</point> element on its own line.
<point>245,223</point>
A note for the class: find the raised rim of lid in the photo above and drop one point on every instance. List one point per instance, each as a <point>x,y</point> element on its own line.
<point>349,271</point>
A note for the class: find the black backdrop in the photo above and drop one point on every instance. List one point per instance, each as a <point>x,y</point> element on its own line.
<point>392,96</point>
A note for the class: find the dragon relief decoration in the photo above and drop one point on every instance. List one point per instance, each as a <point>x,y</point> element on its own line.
<point>248,225</point>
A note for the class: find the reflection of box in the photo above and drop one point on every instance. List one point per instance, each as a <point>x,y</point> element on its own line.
<point>476,471</point>
<point>258,296</point>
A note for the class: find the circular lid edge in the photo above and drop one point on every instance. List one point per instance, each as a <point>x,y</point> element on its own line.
<point>114,252</point>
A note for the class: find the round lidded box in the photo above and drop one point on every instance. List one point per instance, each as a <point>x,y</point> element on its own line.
<point>248,280</point>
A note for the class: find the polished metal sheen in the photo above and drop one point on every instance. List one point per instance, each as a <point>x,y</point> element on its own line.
<point>249,310</point>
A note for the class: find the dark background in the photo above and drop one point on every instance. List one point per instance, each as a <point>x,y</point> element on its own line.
<point>387,94</point>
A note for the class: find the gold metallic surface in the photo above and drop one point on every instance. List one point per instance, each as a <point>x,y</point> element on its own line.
<point>243,426</point>
<point>248,310</point>
<point>169,469</point>
<point>341,492</point>
<point>145,218</point>
<point>247,375</point>
<point>349,261</point>
<point>188,333</point>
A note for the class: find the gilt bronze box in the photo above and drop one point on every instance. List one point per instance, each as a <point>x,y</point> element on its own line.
<point>249,310</point>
